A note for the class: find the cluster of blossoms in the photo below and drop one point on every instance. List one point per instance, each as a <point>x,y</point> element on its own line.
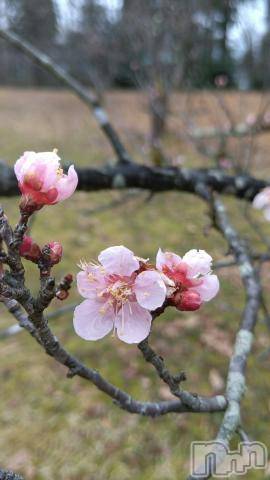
<point>122,290</point>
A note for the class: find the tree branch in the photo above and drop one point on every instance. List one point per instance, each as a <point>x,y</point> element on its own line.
<point>154,179</point>
<point>235,387</point>
<point>8,475</point>
<point>260,257</point>
<point>23,321</point>
<point>238,131</point>
<point>193,401</point>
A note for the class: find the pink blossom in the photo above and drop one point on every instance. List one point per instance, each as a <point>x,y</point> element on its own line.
<point>192,277</point>
<point>42,180</point>
<point>251,119</point>
<point>225,163</point>
<point>118,296</point>
<point>266,118</point>
<point>262,202</point>
<point>221,81</point>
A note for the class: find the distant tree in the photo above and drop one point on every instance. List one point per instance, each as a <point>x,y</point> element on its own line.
<point>158,45</point>
<point>258,70</point>
<point>87,48</point>
<point>152,43</point>
<point>37,23</point>
<point>215,18</point>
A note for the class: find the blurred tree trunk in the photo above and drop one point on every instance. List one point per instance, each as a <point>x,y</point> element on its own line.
<point>158,106</point>
<point>224,25</point>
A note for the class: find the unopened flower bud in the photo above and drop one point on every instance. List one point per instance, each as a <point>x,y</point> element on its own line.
<point>62,295</point>
<point>30,250</point>
<point>53,252</point>
<point>187,300</point>
<point>68,279</point>
<point>64,286</point>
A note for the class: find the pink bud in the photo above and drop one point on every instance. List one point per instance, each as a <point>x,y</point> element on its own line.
<point>187,300</point>
<point>68,279</point>
<point>221,81</point>
<point>64,286</point>
<point>62,295</point>
<point>266,118</point>
<point>30,250</point>
<point>251,119</point>
<point>55,252</point>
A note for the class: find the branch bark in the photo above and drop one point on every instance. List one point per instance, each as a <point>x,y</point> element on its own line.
<point>236,383</point>
<point>154,179</point>
<point>8,475</point>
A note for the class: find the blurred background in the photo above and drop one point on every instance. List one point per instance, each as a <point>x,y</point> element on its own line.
<point>124,43</point>
<point>186,83</point>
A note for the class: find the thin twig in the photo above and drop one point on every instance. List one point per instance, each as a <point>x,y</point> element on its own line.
<point>14,308</point>
<point>192,401</point>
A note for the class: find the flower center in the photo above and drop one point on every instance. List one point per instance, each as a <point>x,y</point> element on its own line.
<point>120,291</point>
<point>32,180</point>
<point>59,172</point>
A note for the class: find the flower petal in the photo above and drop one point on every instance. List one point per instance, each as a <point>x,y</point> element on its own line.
<point>262,199</point>
<point>198,262</point>
<point>47,165</point>
<point>133,323</point>
<point>208,288</point>
<point>150,290</point>
<point>86,288</point>
<point>93,320</point>
<point>23,164</point>
<point>90,281</point>
<point>266,213</point>
<point>119,260</point>
<point>169,259</point>
<point>67,184</point>
<point>38,170</point>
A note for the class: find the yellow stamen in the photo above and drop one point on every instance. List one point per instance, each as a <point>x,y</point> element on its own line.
<point>59,172</point>
<point>91,277</point>
<point>120,293</point>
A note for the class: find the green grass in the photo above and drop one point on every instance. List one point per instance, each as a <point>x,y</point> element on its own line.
<point>55,428</point>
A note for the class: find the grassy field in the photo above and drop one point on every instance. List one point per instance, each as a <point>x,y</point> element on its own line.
<point>55,428</point>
